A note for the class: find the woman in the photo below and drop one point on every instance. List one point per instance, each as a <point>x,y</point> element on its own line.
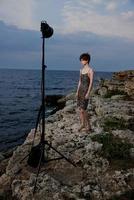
<point>84,89</point>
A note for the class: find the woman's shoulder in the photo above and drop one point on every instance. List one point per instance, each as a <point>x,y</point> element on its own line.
<point>91,70</point>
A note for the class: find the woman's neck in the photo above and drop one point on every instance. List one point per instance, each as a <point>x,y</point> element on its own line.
<point>86,66</point>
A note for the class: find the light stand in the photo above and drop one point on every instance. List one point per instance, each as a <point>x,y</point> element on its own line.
<point>37,154</point>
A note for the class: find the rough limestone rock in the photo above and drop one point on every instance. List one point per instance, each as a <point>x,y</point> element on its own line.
<point>102,91</point>
<point>95,176</point>
<point>129,87</point>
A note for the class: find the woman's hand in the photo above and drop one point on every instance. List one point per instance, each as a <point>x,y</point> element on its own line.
<point>87,96</point>
<point>76,95</point>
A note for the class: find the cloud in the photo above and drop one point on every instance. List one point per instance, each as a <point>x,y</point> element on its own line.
<point>27,14</point>
<point>111,6</point>
<point>22,49</point>
<point>103,28</point>
<point>19,48</point>
<point>92,18</point>
<point>19,13</point>
<point>102,17</point>
<point>13,38</point>
<point>129,15</point>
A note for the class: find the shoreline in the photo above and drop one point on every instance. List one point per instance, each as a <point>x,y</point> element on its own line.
<point>100,173</point>
<point>52,104</point>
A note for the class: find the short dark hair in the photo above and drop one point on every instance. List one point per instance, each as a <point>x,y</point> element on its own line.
<point>85,56</point>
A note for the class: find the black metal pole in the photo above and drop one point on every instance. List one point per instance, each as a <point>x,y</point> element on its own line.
<point>43,142</point>
<point>43,92</point>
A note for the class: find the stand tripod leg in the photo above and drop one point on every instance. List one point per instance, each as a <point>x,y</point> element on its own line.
<point>37,122</point>
<point>25,157</point>
<point>39,165</point>
<point>60,154</point>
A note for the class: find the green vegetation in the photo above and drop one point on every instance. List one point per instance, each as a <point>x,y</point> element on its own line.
<point>113,147</point>
<point>126,97</point>
<point>114,92</point>
<point>129,195</point>
<point>113,123</point>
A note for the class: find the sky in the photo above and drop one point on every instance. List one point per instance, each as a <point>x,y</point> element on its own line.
<point>103,28</point>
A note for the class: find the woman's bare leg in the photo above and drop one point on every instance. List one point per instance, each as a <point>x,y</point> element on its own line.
<point>87,120</point>
<point>82,119</point>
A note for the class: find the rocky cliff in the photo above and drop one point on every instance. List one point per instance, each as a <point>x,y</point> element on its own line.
<point>104,156</point>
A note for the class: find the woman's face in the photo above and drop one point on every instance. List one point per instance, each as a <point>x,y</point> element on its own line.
<point>83,62</point>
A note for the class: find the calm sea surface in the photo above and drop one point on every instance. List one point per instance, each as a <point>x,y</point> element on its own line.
<point>20,99</point>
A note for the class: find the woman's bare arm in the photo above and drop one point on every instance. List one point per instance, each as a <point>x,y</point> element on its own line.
<point>91,75</point>
<point>79,82</point>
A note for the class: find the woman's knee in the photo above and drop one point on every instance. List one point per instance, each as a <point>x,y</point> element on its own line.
<point>82,111</point>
